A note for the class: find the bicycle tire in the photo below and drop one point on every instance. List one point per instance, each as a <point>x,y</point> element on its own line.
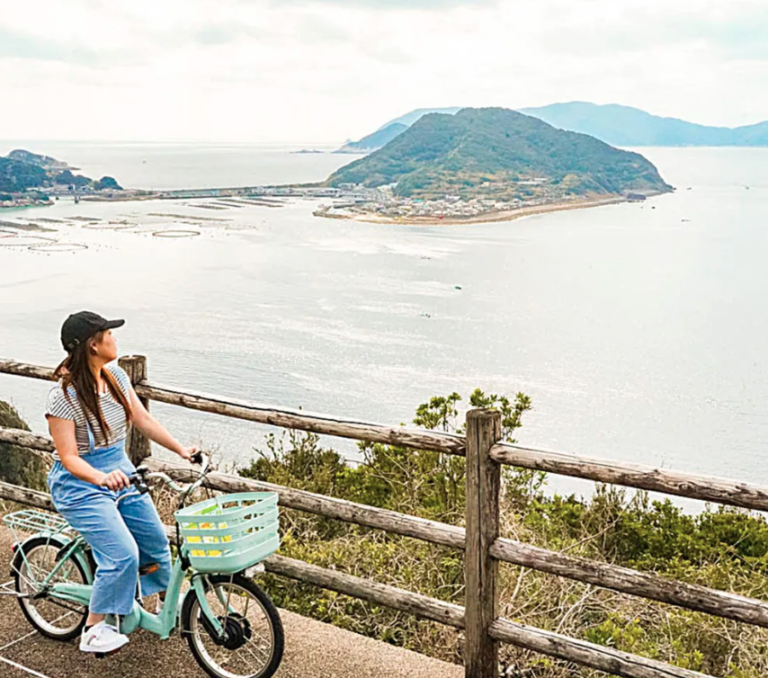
<point>191,607</point>
<point>27,548</point>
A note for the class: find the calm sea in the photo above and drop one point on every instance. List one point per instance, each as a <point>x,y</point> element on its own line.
<point>638,330</point>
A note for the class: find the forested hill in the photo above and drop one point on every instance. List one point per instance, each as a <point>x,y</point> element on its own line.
<point>18,176</point>
<point>21,170</point>
<point>498,151</point>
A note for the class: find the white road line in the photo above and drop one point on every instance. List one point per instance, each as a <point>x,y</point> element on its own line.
<point>23,668</point>
<point>32,633</point>
<point>18,640</point>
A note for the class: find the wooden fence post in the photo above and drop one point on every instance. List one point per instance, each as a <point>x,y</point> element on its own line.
<point>483,477</point>
<point>138,446</point>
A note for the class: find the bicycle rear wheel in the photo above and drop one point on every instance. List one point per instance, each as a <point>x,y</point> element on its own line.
<point>254,645</point>
<point>54,619</point>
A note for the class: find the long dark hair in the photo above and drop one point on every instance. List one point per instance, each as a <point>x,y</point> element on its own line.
<point>74,371</point>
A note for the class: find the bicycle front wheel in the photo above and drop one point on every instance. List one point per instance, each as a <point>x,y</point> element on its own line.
<point>254,644</point>
<point>55,619</point>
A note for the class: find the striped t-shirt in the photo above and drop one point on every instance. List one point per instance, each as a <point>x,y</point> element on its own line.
<point>114,414</point>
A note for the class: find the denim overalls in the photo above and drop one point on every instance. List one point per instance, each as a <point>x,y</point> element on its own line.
<point>122,536</point>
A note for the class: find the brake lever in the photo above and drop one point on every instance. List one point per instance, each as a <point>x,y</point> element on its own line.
<point>139,483</point>
<point>203,459</point>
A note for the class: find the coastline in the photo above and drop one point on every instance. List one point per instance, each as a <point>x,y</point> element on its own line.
<point>488,217</point>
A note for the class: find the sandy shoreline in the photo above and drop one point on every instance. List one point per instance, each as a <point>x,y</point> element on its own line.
<point>489,217</point>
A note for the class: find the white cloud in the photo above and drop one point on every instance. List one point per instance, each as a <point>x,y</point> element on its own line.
<point>323,70</point>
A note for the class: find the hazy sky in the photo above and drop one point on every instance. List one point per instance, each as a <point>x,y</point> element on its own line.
<point>326,70</point>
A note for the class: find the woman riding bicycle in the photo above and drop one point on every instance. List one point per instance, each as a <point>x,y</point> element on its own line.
<point>88,415</point>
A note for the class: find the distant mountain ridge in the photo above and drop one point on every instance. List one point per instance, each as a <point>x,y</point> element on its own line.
<point>374,141</point>
<point>626,126</point>
<point>502,154</point>
<point>618,125</point>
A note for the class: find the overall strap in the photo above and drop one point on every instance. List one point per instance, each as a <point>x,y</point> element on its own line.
<point>91,437</point>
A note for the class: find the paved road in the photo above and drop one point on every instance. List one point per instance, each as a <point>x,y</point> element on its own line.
<point>313,650</point>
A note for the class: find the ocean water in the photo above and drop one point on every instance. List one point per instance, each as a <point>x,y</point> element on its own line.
<point>638,330</point>
<point>158,166</point>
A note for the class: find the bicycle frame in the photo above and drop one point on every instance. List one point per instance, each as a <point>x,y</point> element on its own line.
<point>162,624</point>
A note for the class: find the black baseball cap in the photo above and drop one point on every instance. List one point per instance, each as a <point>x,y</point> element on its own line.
<point>81,326</point>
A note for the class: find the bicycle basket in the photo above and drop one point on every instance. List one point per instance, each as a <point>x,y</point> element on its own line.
<point>230,532</point>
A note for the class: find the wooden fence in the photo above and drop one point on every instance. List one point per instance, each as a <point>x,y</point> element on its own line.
<point>480,541</point>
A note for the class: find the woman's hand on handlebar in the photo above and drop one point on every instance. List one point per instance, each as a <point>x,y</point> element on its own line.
<point>116,480</point>
<point>187,452</point>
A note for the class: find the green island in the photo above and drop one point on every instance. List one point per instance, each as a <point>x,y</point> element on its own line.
<point>30,179</point>
<point>481,162</point>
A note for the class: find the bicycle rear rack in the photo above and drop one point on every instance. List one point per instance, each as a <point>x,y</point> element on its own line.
<point>38,521</point>
<point>33,522</point>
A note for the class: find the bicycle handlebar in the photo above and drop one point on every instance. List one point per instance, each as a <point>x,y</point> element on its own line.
<point>142,474</point>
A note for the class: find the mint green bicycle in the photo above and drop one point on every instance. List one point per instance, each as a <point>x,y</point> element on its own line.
<point>232,627</point>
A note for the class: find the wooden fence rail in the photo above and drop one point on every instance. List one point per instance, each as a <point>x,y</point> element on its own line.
<point>266,414</point>
<point>483,548</point>
<point>581,652</point>
<point>642,584</point>
<point>648,478</point>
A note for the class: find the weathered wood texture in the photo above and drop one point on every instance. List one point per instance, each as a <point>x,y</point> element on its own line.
<point>36,445</point>
<point>26,370</point>
<point>632,582</point>
<point>350,512</point>
<point>581,652</point>
<point>381,594</point>
<point>298,419</point>
<point>483,478</point>
<point>17,436</point>
<point>631,475</point>
<point>23,495</point>
<point>138,446</point>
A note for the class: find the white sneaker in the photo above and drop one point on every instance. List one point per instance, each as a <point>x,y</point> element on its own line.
<point>102,637</point>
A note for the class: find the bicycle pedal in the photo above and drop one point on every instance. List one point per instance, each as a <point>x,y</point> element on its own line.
<point>149,568</point>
